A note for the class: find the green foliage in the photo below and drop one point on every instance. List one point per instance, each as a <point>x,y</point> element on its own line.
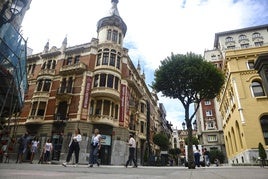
<point>194,141</point>
<point>216,154</point>
<point>175,151</point>
<point>161,140</point>
<point>262,153</point>
<point>188,77</point>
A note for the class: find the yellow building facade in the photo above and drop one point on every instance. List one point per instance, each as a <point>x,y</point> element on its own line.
<point>243,103</point>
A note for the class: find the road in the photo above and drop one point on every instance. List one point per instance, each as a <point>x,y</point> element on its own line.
<point>38,171</point>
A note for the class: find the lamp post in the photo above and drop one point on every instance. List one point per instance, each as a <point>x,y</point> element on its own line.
<point>10,10</point>
<point>195,125</point>
<point>183,125</point>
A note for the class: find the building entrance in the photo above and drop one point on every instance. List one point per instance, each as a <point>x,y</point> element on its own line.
<point>57,145</point>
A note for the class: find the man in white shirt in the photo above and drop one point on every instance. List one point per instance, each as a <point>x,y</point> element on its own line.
<point>132,147</point>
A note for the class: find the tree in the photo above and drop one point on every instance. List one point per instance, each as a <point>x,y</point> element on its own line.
<point>194,141</point>
<point>262,154</point>
<point>189,79</point>
<point>213,154</point>
<point>161,140</point>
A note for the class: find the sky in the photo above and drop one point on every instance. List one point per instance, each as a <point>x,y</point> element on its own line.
<point>156,28</point>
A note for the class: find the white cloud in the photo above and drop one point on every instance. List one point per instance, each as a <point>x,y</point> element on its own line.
<point>155,28</point>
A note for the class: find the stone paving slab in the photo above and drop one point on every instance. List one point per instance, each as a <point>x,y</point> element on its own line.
<point>38,171</point>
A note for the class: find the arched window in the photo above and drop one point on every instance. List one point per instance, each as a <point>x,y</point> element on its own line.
<point>109,34</point>
<point>257,89</point>
<point>256,35</point>
<point>229,39</point>
<point>242,37</point>
<point>264,127</point>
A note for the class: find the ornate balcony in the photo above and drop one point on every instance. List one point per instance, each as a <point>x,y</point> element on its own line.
<point>77,68</point>
<point>105,92</point>
<point>47,72</point>
<point>133,83</point>
<point>35,120</point>
<point>41,94</point>
<point>64,93</point>
<point>104,119</point>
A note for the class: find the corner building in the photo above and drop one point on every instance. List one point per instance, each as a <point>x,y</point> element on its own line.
<point>92,85</point>
<point>243,101</point>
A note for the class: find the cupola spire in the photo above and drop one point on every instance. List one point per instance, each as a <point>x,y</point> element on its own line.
<point>114,10</point>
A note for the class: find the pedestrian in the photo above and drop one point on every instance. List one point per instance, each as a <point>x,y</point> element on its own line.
<point>23,142</point>
<point>132,147</point>
<point>217,162</point>
<point>74,147</point>
<point>207,157</point>
<point>47,150</point>
<point>197,157</point>
<point>4,150</point>
<point>34,147</point>
<point>95,147</point>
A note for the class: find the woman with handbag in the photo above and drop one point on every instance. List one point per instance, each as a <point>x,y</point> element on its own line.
<point>95,147</point>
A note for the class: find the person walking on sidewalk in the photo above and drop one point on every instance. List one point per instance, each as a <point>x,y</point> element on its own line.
<point>47,150</point>
<point>74,147</point>
<point>34,147</point>
<point>132,147</point>
<point>95,147</point>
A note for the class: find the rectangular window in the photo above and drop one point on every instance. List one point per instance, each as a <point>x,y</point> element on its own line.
<point>76,59</point>
<point>142,108</point>
<point>112,59</point>
<point>118,62</point>
<point>250,64</point>
<point>116,111</point>
<point>98,107</point>
<point>69,61</point>
<point>258,44</point>
<point>244,45</point>
<point>142,127</point>
<point>34,107</point>
<point>207,102</point>
<point>105,58</point>
<point>102,80</point>
<point>212,138</point>
<point>110,81</point>
<point>109,34</point>
<point>96,80</point>
<point>41,109</point>
<point>98,59</point>
<point>91,109</point>
<point>209,113</point>
<point>47,84</point>
<point>116,80</point>
<point>114,37</point>
<point>106,107</point>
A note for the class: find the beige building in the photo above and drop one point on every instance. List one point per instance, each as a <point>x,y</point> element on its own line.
<point>242,101</point>
<point>92,85</point>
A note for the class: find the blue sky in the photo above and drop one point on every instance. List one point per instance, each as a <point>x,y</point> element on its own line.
<point>155,28</point>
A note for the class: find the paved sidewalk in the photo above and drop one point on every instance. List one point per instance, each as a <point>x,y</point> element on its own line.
<point>33,171</point>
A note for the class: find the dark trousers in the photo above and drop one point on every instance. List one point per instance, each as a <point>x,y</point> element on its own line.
<point>93,157</point>
<point>131,156</point>
<point>74,147</point>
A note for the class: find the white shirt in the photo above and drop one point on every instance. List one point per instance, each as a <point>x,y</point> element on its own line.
<point>77,138</point>
<point>96,139</point>
<point>48,147</point>
<point>35,143</point>
<point>132,142</point>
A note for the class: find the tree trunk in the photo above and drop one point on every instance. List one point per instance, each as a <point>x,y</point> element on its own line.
<point>191,163</point>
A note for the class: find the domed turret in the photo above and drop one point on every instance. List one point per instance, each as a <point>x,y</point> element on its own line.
<point>113,19</point>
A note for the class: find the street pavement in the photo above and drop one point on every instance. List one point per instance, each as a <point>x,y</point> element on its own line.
<point>41,171</point>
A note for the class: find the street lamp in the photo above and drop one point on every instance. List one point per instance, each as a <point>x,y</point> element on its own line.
<point>183,125</point>
<point>9,12</point>
<point>195,125</point>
